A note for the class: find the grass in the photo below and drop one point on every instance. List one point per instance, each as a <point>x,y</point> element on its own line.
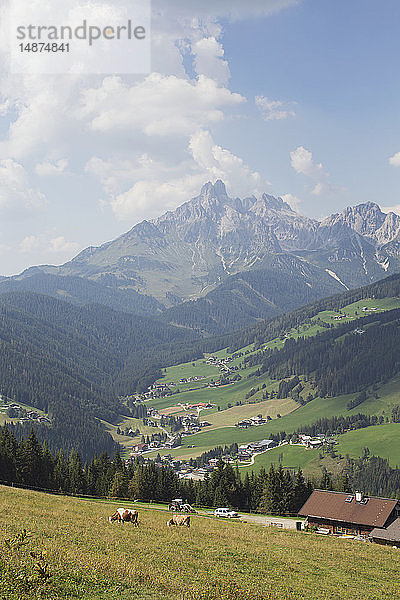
<point>220,396</point>
<point>125,440</point>
<point>91,559</point>
<point>320,407</point>
<point>294,457</point>
<point>311,461</point>
<point>232,415</point>
<point>190,369</point>
<point>382,440</point>
<point>303,415</point>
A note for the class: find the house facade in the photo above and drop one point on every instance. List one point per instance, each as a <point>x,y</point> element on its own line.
<point>353,514</point>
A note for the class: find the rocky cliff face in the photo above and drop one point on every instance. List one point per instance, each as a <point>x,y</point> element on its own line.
<point>368,220</point>
<point>188,252</point>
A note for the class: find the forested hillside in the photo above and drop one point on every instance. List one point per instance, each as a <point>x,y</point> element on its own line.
<point>73,362</point>
<point>248,297</point>
<point>386,288</point>
<point>342,360</point>
<point>80,291</point>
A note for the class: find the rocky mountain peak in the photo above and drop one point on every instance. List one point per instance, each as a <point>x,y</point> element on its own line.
<point>212,236</point>
<point>364,218</point>
<point>267,204</point>
<point>389,230</point>
<point>216,191</point>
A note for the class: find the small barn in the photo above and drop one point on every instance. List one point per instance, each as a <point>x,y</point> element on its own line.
<point>353,514</point>
<point>389,536</point>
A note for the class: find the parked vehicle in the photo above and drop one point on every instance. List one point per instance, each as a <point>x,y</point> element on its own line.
<point>225,512</point>
<point>179,505</point>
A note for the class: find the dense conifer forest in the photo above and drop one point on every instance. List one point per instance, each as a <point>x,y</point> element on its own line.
<point>342,360</point>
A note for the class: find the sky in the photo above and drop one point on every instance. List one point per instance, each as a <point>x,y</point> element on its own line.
<point>297,98</point>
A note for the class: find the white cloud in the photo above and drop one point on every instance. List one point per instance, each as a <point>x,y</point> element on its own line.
<point>42,244</point>
<point>233,9</point>
<point>49,168</point>
<point>147,187</point>
<point>293,201</point>
<point>149,198</point>
<point>274,110</point>
<point>29,244</point>
<point>395,160</point>
<point>16,195</point>
<point>209,60</point>
<point>5,108</point>
<point>45,114</point>
<point>158,106</point>
<point>61,245</point>
<point>219,163</point>
<point>303,163</point>
<point>394,209</point>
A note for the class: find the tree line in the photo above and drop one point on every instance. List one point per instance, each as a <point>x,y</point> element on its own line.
<point>29,463</point>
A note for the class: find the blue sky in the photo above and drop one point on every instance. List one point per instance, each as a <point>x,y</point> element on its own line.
<point>296,98</point>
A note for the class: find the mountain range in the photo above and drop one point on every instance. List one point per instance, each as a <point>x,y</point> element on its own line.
<point>218,262</point>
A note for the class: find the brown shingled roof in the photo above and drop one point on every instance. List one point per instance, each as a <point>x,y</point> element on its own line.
<point>332,505</point>
<point>391,533</point>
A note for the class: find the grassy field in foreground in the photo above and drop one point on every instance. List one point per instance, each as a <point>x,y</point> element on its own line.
<point>91,559</point>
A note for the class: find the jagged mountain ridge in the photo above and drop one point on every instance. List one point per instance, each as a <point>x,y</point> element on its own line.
<point>187,253</point>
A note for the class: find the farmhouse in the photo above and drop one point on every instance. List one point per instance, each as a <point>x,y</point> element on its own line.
<point>142,447</point>
<point>262,445</point>
<point>343,513</point>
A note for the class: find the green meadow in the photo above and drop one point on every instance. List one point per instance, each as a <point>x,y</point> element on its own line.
<point>78,554</point>
<point>381,440</point>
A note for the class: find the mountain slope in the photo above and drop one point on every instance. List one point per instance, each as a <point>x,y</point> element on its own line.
<point>74,362</point>
<point>207,250</point>
<point>80,291</point>
<point>51,348</point>
<point>247,297</point>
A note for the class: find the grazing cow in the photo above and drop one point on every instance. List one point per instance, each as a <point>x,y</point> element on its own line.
<point>179,521</point>
<point>123,515</point>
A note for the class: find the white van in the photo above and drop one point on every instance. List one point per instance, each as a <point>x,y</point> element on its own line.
<point>225,512</point>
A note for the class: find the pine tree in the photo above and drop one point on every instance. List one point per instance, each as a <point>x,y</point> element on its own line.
<point>326,482</point>
<point>77,484</point>
<point>29,461</point>
<point>301,492</point>
<point>61,479</point>
<point>119,487</point>
<point>8,451</point>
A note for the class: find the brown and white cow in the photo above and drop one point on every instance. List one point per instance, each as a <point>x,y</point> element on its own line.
<point>123,515</point>
<point>179,521</point>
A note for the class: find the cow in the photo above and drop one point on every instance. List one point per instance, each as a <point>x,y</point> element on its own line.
<point>179,521</point>
<point>123,515</point>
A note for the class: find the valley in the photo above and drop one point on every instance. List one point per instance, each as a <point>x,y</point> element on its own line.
<point>249,345</point>
<point>220,391</point>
